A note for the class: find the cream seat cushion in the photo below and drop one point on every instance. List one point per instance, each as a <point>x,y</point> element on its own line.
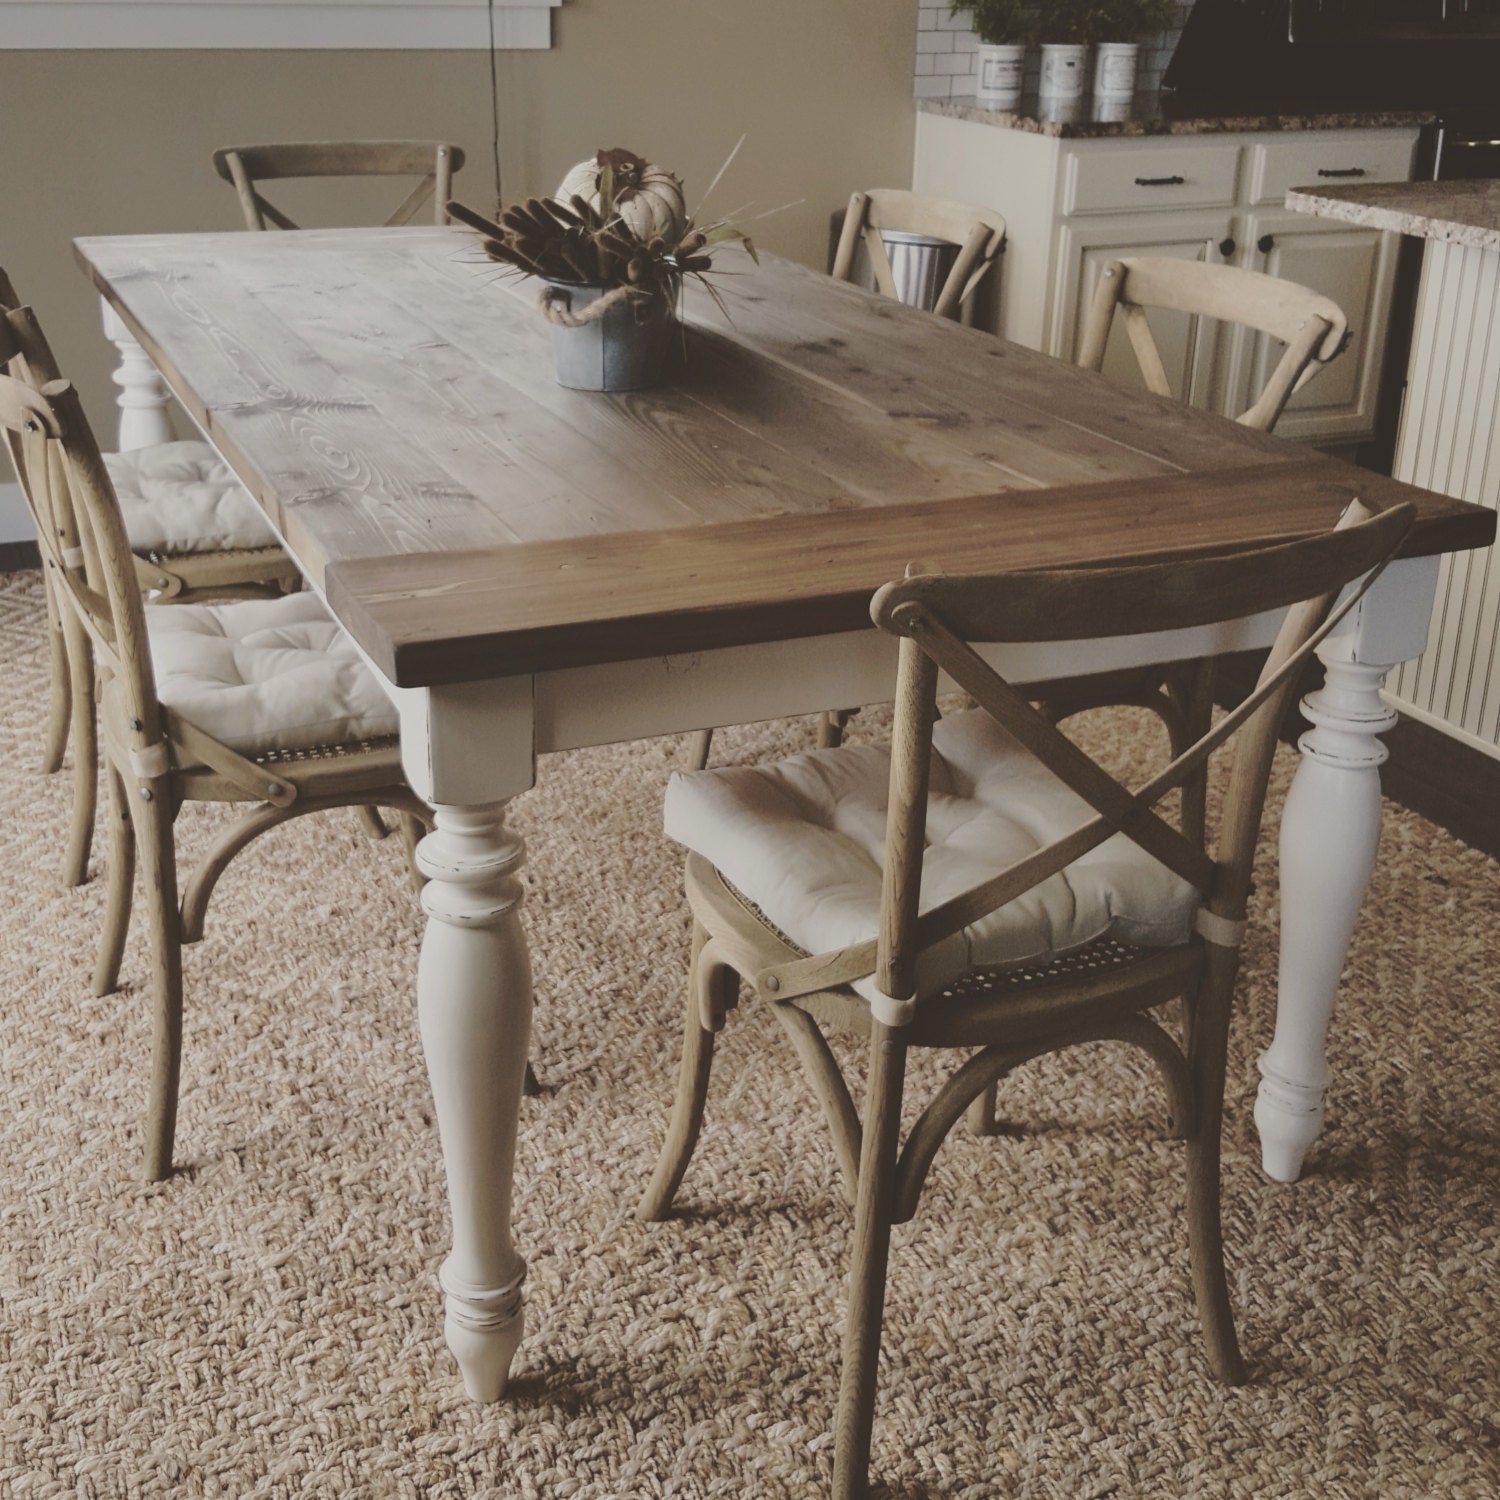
<point>266,674</point>
<point>183,498</point>
<point>804,840</point>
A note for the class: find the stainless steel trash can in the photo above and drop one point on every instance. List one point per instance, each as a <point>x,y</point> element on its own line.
<point>919,266</point>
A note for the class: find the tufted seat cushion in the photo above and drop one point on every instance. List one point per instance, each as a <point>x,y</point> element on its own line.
<point>183,498</point>
<point>267,674</point>
<point>804,840</point>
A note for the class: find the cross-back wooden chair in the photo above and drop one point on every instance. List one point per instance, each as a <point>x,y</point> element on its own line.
<point>1313,327</point>
<point>1089,910</point>
<point>195,535</point>
<point>260,702</point>
<point>1314,330</point>
<point>979,233</point>
<point>433,162</point>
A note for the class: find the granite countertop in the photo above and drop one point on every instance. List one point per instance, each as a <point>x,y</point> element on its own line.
<point>1149,117</point>
<point>1462,212</point>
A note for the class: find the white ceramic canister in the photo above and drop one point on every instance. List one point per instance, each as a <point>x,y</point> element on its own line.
<point>1001,66</point>
<point>1063,70</point>
<point>1114,70</point>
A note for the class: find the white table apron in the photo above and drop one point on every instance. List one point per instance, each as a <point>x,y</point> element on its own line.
<point>468,749</point>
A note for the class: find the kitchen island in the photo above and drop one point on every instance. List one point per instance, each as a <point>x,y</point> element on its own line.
<point>1447,440</point>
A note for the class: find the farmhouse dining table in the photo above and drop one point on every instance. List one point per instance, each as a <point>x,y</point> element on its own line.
<point>532,569</point>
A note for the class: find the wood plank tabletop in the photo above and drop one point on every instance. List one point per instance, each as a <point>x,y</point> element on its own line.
<point>387,396</point>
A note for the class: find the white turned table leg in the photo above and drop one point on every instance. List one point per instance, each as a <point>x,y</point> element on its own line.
<point>1330,829</point>
<point>474,1004</point>
<point>144,397</point>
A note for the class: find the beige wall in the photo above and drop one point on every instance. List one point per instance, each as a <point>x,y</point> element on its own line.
<point>119,142</point>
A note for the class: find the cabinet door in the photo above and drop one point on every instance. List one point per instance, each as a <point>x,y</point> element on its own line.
<point>1190,347</point>
<point>1356,268</point>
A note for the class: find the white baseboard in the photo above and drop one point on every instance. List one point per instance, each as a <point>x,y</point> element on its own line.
<point>15,519</point>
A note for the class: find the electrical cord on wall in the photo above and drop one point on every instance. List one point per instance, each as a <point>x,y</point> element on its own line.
<point>495,111</point>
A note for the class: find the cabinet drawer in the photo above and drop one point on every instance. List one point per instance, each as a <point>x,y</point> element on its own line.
<point>1158,177</point>
<point>1337,161</point>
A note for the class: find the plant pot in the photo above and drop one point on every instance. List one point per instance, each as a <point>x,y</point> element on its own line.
<point>622,349</point>
<point>999,78</point>
<point>1063,70</point>
<point>1114,70</point>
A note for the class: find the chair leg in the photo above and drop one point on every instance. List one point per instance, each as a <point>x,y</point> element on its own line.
<point>872,1240</point>
<point>372,824</point>
<point>413,831</point>
<point>84,730</point>
<point>121,886</point>
<point>983,1113</point>
<point>1207,1046</point>
<point>831,727</point>
<point>701,743</point>
<point>709,996</point>
<point>159,877</point>
<point>59,685</point>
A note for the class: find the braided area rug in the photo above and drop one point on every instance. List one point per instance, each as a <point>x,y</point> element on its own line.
<point>267,1323</point>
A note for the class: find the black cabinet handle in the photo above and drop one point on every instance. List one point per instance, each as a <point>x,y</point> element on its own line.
<point>1341,172</point>
<point>1227,248</point>
<point>1266,244</point>
<point>1160,181</point>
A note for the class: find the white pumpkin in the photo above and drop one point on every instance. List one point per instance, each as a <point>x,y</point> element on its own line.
<point>651,204</point>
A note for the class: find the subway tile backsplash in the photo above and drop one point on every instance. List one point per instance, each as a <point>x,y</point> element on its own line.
<point>951,39</point>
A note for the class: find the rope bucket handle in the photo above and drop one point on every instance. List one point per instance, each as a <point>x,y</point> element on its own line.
<point>554,304</point>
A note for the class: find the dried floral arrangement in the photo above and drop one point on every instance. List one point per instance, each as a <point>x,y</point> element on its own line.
<point>616,222</point>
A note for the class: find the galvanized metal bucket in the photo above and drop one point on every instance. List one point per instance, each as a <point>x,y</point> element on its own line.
<point>919,266</point>
<point>624,349</point>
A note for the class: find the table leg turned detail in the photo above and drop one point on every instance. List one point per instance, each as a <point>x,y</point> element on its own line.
<point>144,399</point>
<point>1330,829</point>
<point>474,1005</point>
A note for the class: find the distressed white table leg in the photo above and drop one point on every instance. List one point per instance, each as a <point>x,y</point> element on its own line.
<point>467,749</point>
<point>144,397</point>
<point>1330,830</point>
<point>474,1003</point>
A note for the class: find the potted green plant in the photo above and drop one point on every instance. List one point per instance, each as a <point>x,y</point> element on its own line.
<point>1005,29</point>
<point>1118,28</point>
<point>1064,28</point>
<point>611,249</point>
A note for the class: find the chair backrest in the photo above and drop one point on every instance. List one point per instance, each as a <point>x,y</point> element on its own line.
<point>978,232</point>
<point>81,532</point>
<point>434,162</point>
<point>26,356</point>
<point>1312,326</point>
<point>937,617</point>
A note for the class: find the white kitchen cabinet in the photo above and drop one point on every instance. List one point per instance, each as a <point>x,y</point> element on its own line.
<point>1355,267</point>
<point>1073,203</point>
<point>1190,347</point>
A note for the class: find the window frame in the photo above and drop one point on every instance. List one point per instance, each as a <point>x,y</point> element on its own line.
<point>275,25</point>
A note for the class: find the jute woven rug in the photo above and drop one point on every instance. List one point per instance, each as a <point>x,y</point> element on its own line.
<point>268,1324</point>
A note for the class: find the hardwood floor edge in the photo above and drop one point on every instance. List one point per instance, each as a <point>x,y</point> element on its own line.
<point>18,557</point>
<point>1448,782</point>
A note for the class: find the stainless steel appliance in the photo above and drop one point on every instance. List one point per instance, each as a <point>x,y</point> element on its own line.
<point>1376,54</point>
<point>1437,56</point>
